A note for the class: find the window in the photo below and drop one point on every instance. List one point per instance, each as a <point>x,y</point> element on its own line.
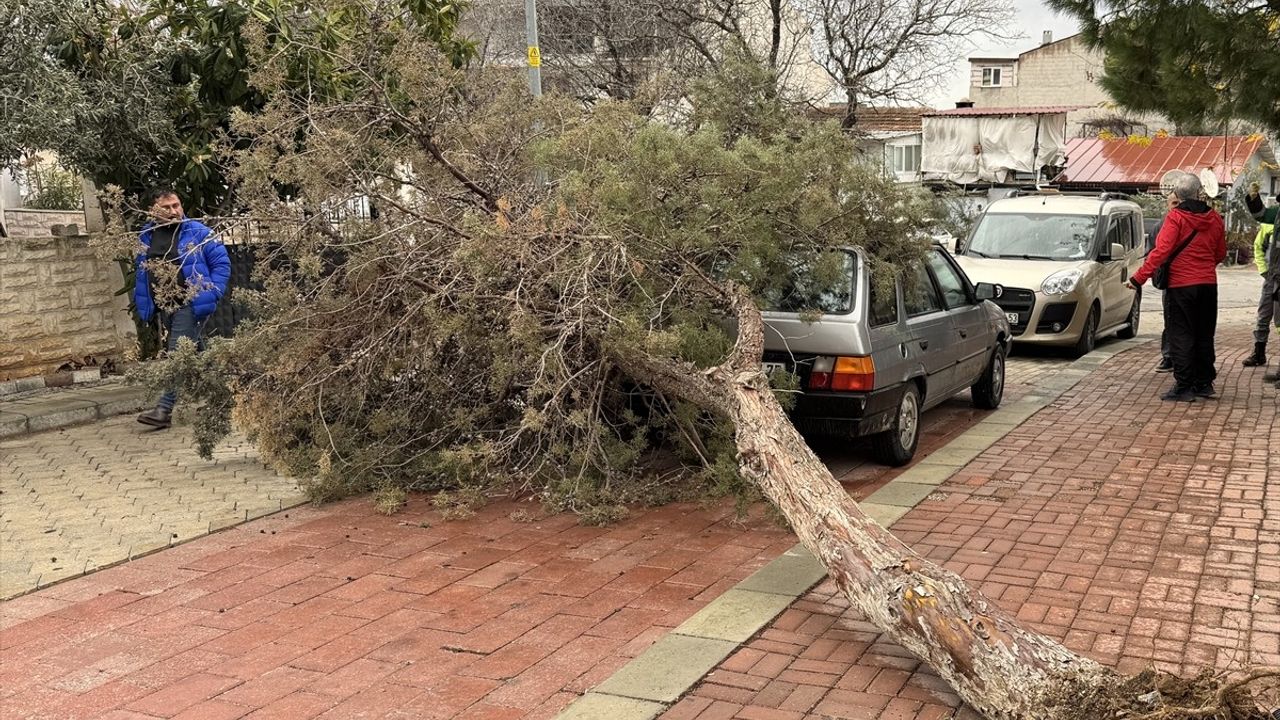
<point>991,77</point>
<point>1032,236</point>
<point>822,283</point>
<point>1120,231</point>
<point>884,306</point>
<point>905,158</point>
<point>955,291</point>
<point>922,295</point>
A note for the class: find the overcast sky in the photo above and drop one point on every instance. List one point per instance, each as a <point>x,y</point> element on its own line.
<point>1033,18</point>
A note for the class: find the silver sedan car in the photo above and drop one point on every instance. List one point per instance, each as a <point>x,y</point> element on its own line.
<point>872,360</point>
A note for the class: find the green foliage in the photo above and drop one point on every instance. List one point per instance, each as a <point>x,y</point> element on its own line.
<point>198,377</point>
<point>143,94</point>
<point>389,499</point>
<point>476,337</point>
<point>1197,63</point>
<point>53,188</point>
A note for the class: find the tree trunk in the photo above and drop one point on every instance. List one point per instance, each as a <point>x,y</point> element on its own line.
<point>850,117</point>
<point>999,668</point>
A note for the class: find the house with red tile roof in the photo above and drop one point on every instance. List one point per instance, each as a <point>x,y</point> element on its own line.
<point>889,134</point>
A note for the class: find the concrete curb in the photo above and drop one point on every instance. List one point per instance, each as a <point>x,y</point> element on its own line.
<point>654,680</point>
<point>59,409</point>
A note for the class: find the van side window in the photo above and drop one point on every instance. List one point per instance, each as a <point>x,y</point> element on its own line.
<point>884,306</point>
<point>1115,230</point>
<point>1128,231</point>
<point>921,295</point>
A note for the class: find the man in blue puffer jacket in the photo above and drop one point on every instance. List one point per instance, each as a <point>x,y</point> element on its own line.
<point>182,273</point>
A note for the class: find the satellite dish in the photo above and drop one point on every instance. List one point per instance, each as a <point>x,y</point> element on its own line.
<point>1209,182</point>
<point>1168,179</point>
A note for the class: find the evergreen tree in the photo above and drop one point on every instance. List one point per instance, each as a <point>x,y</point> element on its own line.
<point>1198,63</point>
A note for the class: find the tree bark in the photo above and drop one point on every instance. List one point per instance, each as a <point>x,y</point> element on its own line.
<point>999,668</point>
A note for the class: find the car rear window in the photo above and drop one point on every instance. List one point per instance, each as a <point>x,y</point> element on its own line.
<point>822,283</point>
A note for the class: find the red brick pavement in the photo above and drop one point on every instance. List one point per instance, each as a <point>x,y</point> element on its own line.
<point>339,612</point>
<point>1137,532</point>
<point>852,465</point>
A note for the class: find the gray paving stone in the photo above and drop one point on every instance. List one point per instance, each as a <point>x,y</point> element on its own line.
<point>922,474</point>
<point>952,456</point>
<point>12,423</point>
<point>52,419</point>
<point>790,574</point>
<point>595,706</point>
<point>886,515</point>
<point>668,668</point>
<point>900,493</point>
<point>736,615</point>
<point>104,492</point>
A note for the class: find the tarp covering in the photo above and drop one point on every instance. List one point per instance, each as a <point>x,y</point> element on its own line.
<point>975,149</point>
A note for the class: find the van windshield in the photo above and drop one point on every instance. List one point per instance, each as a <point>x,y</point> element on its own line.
<point>1033,236</point>
<point>824,284</point>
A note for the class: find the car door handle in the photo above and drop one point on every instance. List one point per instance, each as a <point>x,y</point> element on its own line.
<point>963,333</point>
<point>924,344</point>
<point>1124,274</point>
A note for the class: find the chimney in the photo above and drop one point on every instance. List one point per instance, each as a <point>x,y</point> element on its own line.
<point>964,103</point>
<point>1047,37</point>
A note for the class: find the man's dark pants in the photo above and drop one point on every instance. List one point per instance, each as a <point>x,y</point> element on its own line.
<point>181,324</point>
<point>1191,319</point>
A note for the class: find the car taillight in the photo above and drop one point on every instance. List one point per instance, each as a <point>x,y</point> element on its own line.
<point>843,374</point>
<point>820,377</point>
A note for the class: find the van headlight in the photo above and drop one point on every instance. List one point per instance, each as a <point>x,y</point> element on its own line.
<point>1061,283</point>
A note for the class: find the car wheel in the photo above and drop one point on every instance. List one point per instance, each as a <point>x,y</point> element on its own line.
<point>989,390</point>
<point>1135,316</point>
<point>1088,336</point>
<point>897,445</point>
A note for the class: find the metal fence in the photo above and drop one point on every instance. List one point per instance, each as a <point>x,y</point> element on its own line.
<point>251,241</point>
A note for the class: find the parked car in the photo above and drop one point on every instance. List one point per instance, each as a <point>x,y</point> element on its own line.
<point>874,360</point>
<point>1063,262</point>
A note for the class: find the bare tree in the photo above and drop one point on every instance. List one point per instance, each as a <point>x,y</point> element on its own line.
<point>648,50</point>
<point>895,51</point>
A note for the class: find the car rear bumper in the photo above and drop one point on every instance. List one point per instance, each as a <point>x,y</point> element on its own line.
<point>831,413</point>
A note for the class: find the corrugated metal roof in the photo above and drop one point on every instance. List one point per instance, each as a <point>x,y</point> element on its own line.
<point>1095,162</point>
<point>981,111</point>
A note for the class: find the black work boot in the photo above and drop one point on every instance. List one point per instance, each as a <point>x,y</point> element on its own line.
<point>1259,356</point>
<point>157,418</point>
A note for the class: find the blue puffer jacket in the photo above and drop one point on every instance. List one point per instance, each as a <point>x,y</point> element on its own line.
<point>205,265</point>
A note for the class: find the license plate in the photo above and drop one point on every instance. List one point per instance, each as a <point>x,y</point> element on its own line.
<point>1012,318</point>
<point>769,368</point>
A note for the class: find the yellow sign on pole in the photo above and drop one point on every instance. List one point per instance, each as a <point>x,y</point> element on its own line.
<point>535,58</point>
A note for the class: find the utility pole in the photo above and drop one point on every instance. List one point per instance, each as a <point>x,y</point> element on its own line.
<point>535,55</point>
<point>535,72</point>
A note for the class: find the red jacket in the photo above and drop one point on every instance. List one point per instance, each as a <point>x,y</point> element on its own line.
<point>1197,264</point>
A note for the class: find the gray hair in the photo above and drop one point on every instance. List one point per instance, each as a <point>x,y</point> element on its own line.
<point>1187,187</point>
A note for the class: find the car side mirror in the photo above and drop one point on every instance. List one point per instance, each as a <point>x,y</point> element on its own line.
<point>988,291</point>
<point>1117,252</point>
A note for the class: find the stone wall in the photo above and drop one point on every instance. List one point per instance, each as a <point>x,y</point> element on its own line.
<point>57,299</point>
<point>26,223</point>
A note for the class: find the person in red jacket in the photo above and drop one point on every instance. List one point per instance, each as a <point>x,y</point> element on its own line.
<point>1191,315</point>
